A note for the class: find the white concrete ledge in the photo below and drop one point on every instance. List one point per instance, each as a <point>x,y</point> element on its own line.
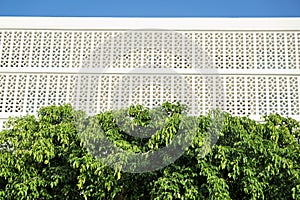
<point>174,24</point>
<point>149,71</point>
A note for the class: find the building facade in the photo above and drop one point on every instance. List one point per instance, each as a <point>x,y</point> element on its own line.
<point>245,66</point>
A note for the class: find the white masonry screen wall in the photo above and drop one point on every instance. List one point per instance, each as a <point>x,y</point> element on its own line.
<point>244,72</point>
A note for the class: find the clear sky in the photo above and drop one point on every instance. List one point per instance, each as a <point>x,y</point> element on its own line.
<point>151,8</point>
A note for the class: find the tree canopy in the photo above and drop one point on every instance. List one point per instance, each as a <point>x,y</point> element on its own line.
<point>46,157</point>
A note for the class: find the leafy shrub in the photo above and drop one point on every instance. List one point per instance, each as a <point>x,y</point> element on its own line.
<point>44,157</point>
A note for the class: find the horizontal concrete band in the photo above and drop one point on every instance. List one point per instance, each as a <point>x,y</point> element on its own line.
<point>149,71</point>
<point>106,23</point>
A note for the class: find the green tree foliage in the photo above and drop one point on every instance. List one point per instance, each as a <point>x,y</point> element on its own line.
<point>44,157</point>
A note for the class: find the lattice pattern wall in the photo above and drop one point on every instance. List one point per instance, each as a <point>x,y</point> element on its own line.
<point>245,73</point>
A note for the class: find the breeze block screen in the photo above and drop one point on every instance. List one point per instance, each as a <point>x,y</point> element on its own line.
<point>240,67</point>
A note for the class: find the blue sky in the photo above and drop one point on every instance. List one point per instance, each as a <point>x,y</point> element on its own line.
<point>153,8</point>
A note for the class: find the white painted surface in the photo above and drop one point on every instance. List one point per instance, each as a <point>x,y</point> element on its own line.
<point>246,66</point>
<point>106,23</point>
